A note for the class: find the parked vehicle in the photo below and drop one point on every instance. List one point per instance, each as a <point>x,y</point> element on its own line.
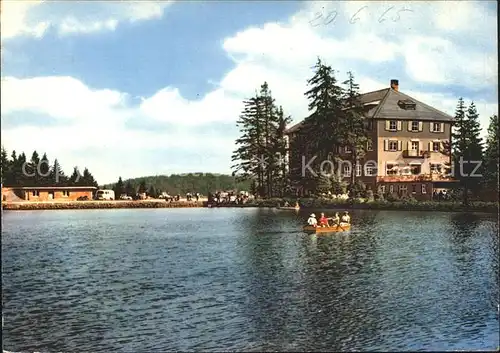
<point>166,196</point>
<point>125,197</point>
<point>105,195</point>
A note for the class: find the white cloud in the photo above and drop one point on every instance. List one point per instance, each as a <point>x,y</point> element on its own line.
<point>422,48</point>
<point>34,18</point>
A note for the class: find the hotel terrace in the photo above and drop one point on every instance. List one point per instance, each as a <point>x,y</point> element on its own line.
<point>409,140</point>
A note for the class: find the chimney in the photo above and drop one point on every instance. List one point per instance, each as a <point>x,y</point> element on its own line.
<point>395,85</point>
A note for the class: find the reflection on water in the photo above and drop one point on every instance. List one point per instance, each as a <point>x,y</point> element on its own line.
<point>247,279</point>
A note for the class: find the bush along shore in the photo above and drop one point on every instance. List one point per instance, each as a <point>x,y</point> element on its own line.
<point>82,205</point>
<point>406,205</point>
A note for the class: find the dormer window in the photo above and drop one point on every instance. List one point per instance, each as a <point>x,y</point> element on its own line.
<point>407,104</point>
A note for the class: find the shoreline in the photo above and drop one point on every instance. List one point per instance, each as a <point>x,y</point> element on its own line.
<point>439,206</point>
<point>93,204</point>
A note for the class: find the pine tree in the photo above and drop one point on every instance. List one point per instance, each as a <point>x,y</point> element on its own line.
<point>87,179</point>
<point>323,184</point>
<point>74,179</point>
<point>142,187</point>
<point>5,166</point>
<point>129,189</point>
<point>44,171</point>
<point>491,156</point>
<point>152,192</point>
<point>466,148</point>
<point>325,121</point>
<point>57,176</point>
<point>353,132</point>
<point>119,188</point>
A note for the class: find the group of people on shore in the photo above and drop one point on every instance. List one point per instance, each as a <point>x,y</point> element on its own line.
<point>324,221</point>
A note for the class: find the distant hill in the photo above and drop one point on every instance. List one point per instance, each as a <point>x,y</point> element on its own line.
<point>188,182</point>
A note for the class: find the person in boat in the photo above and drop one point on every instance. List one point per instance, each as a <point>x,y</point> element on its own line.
<point>336,219</point>
<point>345,218</point>
<point>286,204</point>
<point>297,206</point>
<point>323,221</point>
<point>312,221</point>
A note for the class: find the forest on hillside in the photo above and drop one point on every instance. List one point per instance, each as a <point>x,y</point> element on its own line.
<point>178,184</point>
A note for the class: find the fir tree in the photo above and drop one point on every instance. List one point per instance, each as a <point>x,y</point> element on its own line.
<point>44,171</point>
<point>152,192</point>
<point>119,188</point>
<point>5,165</point>
<point>75,177</point>
<point>129,189</point>
<point>353,131</point>
<point>323,184</point>
<point>57,176</point>
<point>325,107</point>
<point>491,156</point>
<point>87,179</point>
<point>142,187</point>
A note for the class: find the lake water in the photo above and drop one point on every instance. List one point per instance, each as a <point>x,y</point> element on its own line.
<point>247,279</point>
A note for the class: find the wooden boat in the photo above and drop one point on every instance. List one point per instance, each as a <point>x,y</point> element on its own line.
<point>288,208</point>
<point>332,229</point>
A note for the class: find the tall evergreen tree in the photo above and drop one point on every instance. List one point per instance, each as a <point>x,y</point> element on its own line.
<point>467,149</point>
<point>87,179</point>
<point>129,189</point>
<point>152,192</point>
<point>44,171</point>
<point>491,156</point>
<point>74,179</point>
<point>5,165</point>
<point>353,131</point>
<point>57,176</point>
<point>325,107</point>
<point>119,188</point>
<point>142,187</point>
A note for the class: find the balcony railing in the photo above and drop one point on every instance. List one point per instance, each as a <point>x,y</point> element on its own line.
<point>418,177</point>
<point>415,154</point>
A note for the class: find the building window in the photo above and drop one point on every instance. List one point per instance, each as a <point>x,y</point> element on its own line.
<point>369,145</point>
<point>347,170</point>
<point>393,145</point>
<point>347,149</point>
<point>391,169</point>
<point>370,170</point>
<point>436,127</point>
<point>36,193</point>
<point>414,145</point>
<point>414,188</point>
<point>414,126</point>
<point>382,189</point>
<point>406,170</point>
<point>403,189</point>
<point>65,193</point>
<point>435,146</point>
<point>424,189</point>
<point>415,169</point>
<point>391,188</point>
<point>358,169</point>
<point>435,168</point>
<point>393,125</point>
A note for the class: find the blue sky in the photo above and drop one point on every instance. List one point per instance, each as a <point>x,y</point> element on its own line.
<point>132,89</point>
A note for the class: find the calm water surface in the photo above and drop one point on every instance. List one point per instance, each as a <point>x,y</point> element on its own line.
<point>247,279</point>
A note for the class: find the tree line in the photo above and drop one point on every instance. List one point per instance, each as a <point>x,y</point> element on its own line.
<point>336,121</point>
<point>475,162</point>
<point>178,184</point>
<point>18,170</point>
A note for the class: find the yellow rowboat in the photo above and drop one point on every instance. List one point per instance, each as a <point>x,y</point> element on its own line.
<point>336,228</point>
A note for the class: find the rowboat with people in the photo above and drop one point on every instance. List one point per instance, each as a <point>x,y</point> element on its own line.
<point>328,224</point>
<point>287,206</point>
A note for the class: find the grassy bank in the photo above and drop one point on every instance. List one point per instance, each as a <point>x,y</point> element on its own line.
<point>82,205</point>
<point>315,203</point>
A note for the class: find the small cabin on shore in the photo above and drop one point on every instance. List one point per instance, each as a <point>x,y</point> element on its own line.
<point>46,193</point>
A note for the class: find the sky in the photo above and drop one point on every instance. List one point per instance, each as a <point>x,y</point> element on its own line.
<point>147,88</point>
